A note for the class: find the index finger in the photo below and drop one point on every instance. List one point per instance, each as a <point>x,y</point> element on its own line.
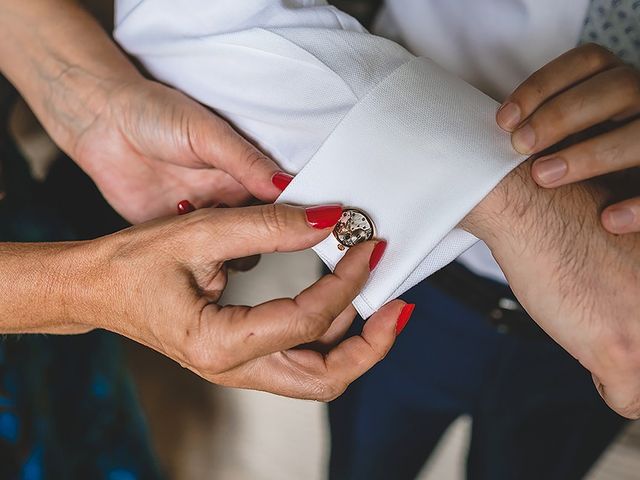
<point>568,69</point>
<point>233,335</point>
<point>311,375</point>
<point>218,144</point>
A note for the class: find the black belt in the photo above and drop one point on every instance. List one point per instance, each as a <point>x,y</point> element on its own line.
<point>493,301</point>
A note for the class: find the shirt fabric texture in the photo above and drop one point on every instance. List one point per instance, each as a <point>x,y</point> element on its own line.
<point>359,119</point>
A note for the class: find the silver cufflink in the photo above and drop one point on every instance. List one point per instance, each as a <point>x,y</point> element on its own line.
<point>354,227</point>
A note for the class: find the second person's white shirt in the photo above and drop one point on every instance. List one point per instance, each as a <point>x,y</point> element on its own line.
<point>492,44</point>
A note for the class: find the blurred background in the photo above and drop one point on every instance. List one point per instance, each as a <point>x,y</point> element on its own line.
<point>204,431</point>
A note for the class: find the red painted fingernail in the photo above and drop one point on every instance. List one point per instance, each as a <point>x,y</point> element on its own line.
<point>404,317</point>
<point>281,180</point>
<point>184,207</point>
<point>324,216</point>
<point>376,255</point>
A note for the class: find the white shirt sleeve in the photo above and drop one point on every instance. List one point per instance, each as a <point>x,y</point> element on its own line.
<point>356,117</point>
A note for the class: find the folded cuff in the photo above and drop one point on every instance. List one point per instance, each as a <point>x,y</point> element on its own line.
<point>417,154</point>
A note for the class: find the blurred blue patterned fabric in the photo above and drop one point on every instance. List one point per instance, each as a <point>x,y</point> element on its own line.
<point>68,409</point>
<point>615,24</point>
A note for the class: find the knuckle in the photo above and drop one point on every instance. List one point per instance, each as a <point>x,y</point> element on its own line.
<point>220,130</point>
<point>329,390</point>
<point>595,56</point>
<point>601,157</point>
<point>253,157</point>
<point>198,230</point>
<point>548,121</point>
<point>196,357</point>
<point>628,83</point>
<point>537,85</point>
<point>223,128</point>
<point>205,361</point>
<point>380,353</point>
<point>632,412</point>
<point>557,115</point>
<point>274,218</point>
<point>311,326</point>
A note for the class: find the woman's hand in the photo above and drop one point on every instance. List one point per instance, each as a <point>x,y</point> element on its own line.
<point>585,87</point>
<point>159,283</point>
<point>150,146</point>
<point>145,145</point>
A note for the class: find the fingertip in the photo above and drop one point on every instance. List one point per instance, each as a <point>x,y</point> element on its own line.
<point>281,180</point>
<point>184,207</point>
<point>620,219</point>
<point>270,185</point>
<point>524,139</point>
<point>386,318</point>
<point>323,216</point>
<point>360,255</point>
<point>377,254</point>
<point>508,116</point>
<point>267,190</point>
<point>549,172</point>
<point>404,317</point>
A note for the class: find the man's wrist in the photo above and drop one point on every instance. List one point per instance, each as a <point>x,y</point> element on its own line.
<point>561,263</point>
<point>486,219</point>
<point>518,208</point>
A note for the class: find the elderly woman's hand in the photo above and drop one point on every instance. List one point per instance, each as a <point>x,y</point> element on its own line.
<point>159,284</point>
<point>145,145</point>
<point>150,146</point>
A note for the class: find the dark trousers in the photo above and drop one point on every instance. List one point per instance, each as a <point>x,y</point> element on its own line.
<point>536,414</point>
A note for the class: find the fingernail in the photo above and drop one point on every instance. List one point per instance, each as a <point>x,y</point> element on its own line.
<point>524,139</point>
<point>184,207</point>
<point>281,180</point>
<point>621,218</point>
<point>404,317</point>
<point>376,255</point>
<point>550,170</point>
<point>324,216</point>
<point>509,116</point>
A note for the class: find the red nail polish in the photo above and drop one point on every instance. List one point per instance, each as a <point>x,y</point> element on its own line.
<point>281,180</point>
<point>376,255</point>
<point>184,207</point>
<point>324,216</point>
<point>404,317</point>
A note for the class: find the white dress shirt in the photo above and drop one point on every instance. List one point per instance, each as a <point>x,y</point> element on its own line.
<point>359,119</point>
<point>492,44</point>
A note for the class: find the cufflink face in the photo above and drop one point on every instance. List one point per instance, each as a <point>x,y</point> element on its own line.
<point>354,227</point>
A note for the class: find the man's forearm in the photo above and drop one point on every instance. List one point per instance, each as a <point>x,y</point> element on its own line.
<point>579,282</point>
<point>61,61</point>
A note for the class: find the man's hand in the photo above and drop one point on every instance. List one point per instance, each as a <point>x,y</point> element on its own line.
<point>584,88</point>
<point>577,281</point>
<point>151,146</point>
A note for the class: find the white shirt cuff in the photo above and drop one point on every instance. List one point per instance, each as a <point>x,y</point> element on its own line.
<point>417,154</point>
